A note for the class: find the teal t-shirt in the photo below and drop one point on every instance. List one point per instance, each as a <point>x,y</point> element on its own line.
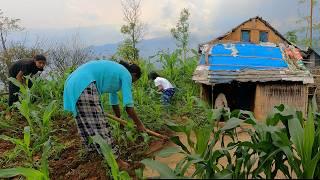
<point>110,77</point>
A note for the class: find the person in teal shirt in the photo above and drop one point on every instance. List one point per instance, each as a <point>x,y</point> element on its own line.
<point>82,91</point>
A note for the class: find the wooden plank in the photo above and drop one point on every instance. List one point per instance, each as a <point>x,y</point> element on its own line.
<point>123,122</point>
<point>258,104</point>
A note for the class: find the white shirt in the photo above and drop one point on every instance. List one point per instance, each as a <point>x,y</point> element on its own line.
<point>163,82</point>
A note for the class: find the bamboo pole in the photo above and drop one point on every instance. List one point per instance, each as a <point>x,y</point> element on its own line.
<point>123,122</point>
<point>311,14</point>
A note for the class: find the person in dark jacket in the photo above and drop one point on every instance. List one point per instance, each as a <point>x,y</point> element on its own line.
<point>21,68</point>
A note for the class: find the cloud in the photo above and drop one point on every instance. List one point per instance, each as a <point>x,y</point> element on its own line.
<point>209,18</point>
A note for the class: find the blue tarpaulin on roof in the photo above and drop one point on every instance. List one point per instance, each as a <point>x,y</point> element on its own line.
<point>242,56</point>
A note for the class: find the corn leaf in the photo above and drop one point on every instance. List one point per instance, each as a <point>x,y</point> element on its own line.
<point>44,168</point>
<point>203,136</point>
<point>108,155</point>
<point>224,174</point>
<point>231,124</point>
<point>27,136</point>
<point>30,174</point>
<point>176,140</point>
<point>162,169</point>
<point>169,151</point>
<point>308,137</point>
<point>48,113</point>
<point>296,133</point>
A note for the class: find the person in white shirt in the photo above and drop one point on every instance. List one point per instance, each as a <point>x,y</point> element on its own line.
<point>164,86</point>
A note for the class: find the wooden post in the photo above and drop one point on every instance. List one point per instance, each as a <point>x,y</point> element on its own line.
<point>311,14</point>
<point>212,100</point>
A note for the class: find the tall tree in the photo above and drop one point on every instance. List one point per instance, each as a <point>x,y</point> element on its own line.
<point>133,27</point>
<point>309,23</point>
<point>292,36</point>
<point>7,26</point>
<point>181,32</point>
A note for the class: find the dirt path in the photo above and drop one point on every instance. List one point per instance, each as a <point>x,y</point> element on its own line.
<point>172,160</point>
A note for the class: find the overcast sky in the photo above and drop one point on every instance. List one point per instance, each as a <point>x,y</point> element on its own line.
<point>99,21</point>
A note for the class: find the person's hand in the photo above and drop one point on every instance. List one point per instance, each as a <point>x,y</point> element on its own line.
<point>141,128</point>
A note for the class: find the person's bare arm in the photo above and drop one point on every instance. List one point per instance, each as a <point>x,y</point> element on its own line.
<point>116,110</point>
<point>160,88</point>
<point>132,114</point>
<point>20,77</point>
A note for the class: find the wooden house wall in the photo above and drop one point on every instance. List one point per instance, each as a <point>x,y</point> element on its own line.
<point>255,26</point>
<point>269,95</point>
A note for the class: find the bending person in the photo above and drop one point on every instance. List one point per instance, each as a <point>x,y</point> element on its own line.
<point>82,92</point>
<point>21,68</point>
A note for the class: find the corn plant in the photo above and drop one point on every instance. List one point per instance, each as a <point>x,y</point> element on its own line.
<point>109,157</point>
<point>130,140</point>
<point>291,147</point>
<point>170,63</point>
<point>51,88</point>
<point>42,173</point>
<point>24,103</point>
<point>303,137</point>
<point>22,145</point>
<point>202,155</point>
<point>44,123</point>
<point>36,116</point>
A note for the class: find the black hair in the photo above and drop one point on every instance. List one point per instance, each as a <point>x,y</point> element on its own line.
<point>153,75</point>
<point>40,57</point>
<point>132,68</point>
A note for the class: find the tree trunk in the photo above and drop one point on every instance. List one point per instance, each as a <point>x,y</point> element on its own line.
<point>3,42</point>
<point>134,45</point>
<point>184,54</point>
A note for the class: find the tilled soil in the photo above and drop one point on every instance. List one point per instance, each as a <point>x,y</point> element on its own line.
<point>72,162</point>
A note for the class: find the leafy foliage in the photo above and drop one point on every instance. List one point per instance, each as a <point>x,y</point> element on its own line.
<point>181,32</point>
<point>109,157</point>
<point>290,147</point>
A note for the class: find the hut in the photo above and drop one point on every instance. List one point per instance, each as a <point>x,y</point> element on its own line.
<point>255,68</point>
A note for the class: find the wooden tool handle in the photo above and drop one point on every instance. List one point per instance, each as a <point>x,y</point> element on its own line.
<point>2,94</point>
<point>123,122</point>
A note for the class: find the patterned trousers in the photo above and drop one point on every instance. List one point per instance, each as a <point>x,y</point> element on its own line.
<point>91,120</point>
<point>167,95</point>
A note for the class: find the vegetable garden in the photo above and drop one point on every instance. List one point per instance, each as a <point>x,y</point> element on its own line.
<point>40,141</point>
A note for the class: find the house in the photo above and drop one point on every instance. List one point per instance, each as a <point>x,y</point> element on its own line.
<point>311,58</point>
<point>255,67</point>
<point>254,30</point>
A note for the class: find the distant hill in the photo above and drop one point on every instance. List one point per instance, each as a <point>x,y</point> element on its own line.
<point>148,47</point>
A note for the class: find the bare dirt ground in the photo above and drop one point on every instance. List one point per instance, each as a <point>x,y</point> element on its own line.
<point>72,162</point>
<point>172,160</point>
<point>72,165</point>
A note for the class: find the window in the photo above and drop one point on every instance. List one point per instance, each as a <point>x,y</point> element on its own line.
<point>245,35</point>
<point>263,36</point>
